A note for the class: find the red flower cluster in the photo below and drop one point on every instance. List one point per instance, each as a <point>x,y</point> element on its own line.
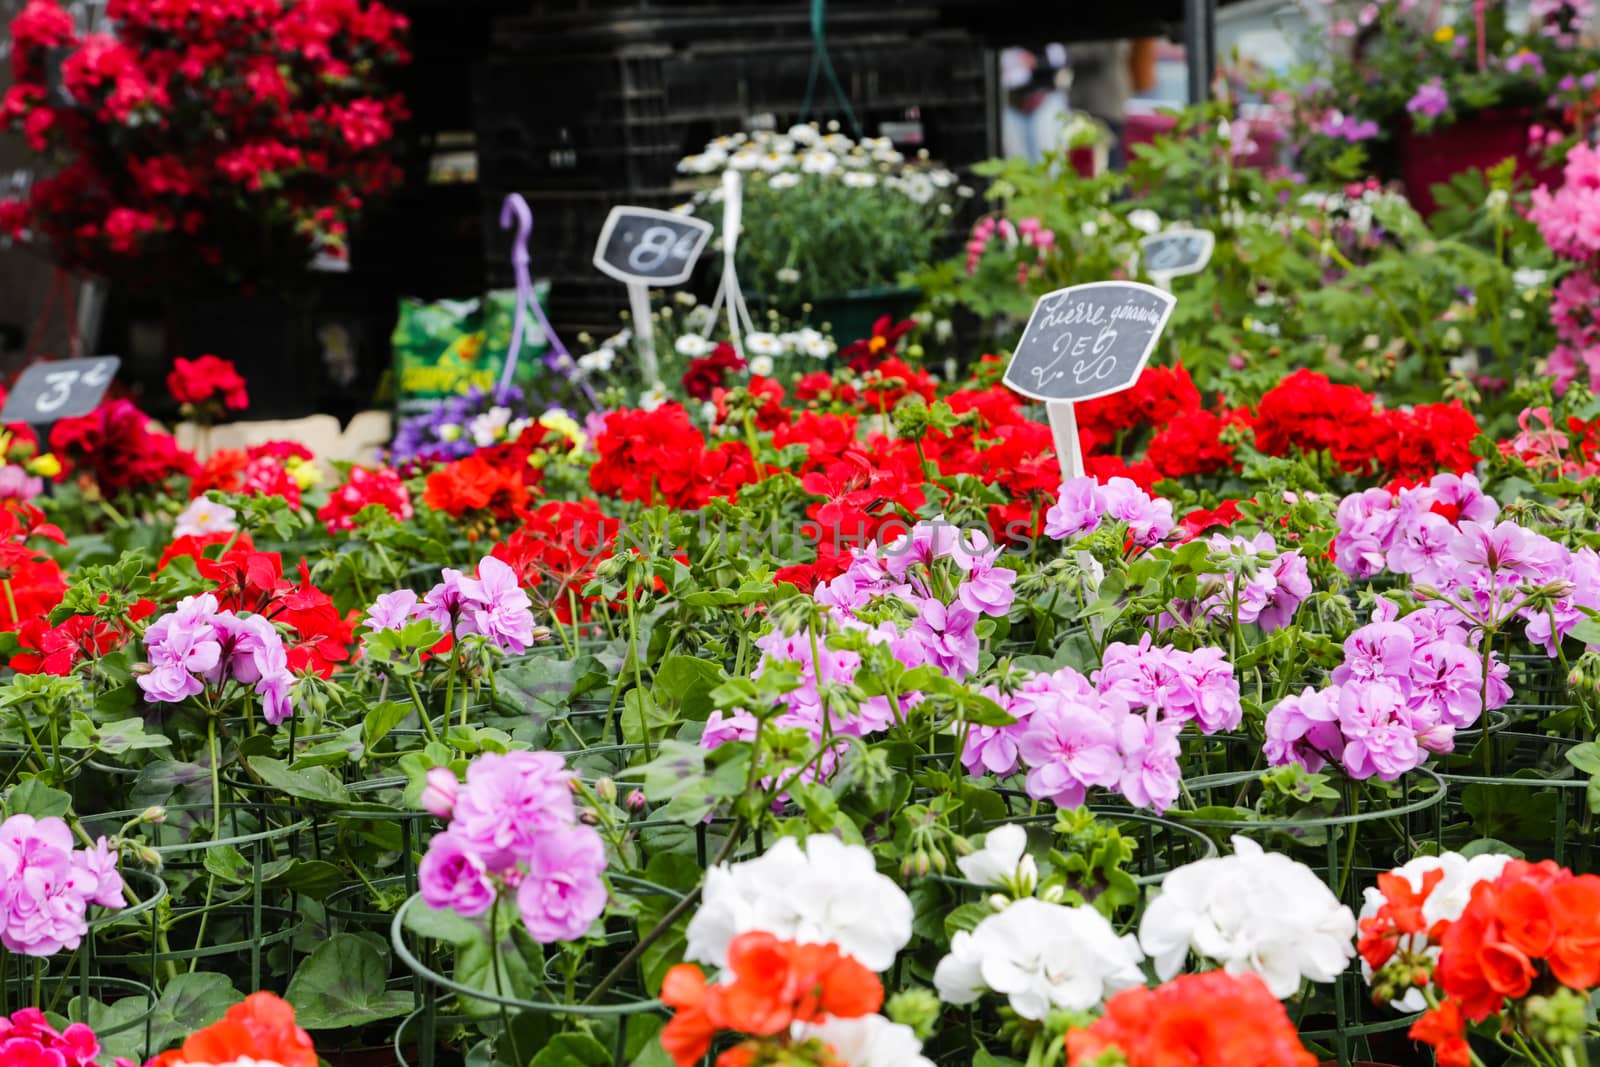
<point>258,471</point>
<point>31,584</point>
<point>116,446</point>
<point>475,484</point>
<point>363,489</point>
<point>707,374</point>
<point>1003,449</point>
<point>865,353</point>
<point>1308,413</point>
<point>555,553</point>
<point>260,1028</point>
<point>658,457</point>
<point>775,985</point>
<point>207,383</point>
<point>204,132</point>
<point>1213,1019</point>
<point>46,649</point>
<point>1536,920</point>
<point>864,490</point>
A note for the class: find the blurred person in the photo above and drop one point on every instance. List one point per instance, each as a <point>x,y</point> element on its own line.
<point>1102,81</point>
<point>1036,100</point>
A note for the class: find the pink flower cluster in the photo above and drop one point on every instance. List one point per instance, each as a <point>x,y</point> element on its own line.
<point>1028,232</point>
<point>1117,731</point>
<point>1258,583</point>
<point>1405,687</point>
<point>947,578</point>
<point>28,1040</point>
<point>514,829</point>
<point>1569,220</point>
<point>46,887</point>
<point>196,645</point>
<point>1444,537</point>
<point>1084,503</point>
<point>492,606</point>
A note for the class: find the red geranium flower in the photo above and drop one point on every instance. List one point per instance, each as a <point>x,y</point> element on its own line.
<point>260,1028</point>
<point>866,353</point>
<point>208,380</point>
<point>707,374</point>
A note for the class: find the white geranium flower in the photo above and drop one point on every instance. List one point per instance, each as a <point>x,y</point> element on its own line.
<point>601,359</point>
<point>860,180</point>
<point>828,892</point>
<point>654,397</point>
<point>763,344</point>
<point>869,1041</point>
<point>1528,278</point>
<point>1003,861</point>
<point>1445,903</point>
<point>1144,220</point>
<point>1252,911</point>
<point>489,427</point>
<point>203,516</point>
<point>692,346</point>
<point>1041,956</point>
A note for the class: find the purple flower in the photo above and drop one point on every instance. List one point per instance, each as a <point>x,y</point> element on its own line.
<point>1377,650</point>
<point>182,648</point>
<point>1150,774</point>
<point>1304,729</point>
<point>446,603</point>
<point>987,589</point>
<point>1149,518</point>
<point>508,800</point>
<point>1430,99</point>
<point>392,611</point>
<point>948,636</point>
<point>1506,547</point>
<point>1291,586</point>
<point>1446,681</point>
<point>1422,548</point>
<point>1070,747</point>
<point>1379,738</point>
<point>1464,494</point>
<point>1077,510</point>
<point>498,608</point>
<point>453,875</point>
<point>562,893</point>
<point>97,877</point>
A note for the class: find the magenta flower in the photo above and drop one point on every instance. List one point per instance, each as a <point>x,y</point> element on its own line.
<point>1069,748</point>
<point>508,800</point>
<point>1447,684</point>
<point>1507,547</point>
<point>46,887</point>
<point>440,791</point>
<point>497,607</point>
<point>1379,738</point>
<point>1377,650</point>
<point>987,589</point>
<point>453,875</point>
<point>562,894</point>
<point>1149,518</point>
<point>1422,549</point>
<point>948,635</point>
<point>392,611</point>
<point>1150,773</point>
<point>1430,100</point>
<point>1304,729</point>
<point>1078,508</point>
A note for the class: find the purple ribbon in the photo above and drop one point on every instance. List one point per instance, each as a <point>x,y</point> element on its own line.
<point>515,210</point>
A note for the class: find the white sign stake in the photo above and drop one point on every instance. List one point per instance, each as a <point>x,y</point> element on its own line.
<point>644,331</point>
<point>1064,429</point>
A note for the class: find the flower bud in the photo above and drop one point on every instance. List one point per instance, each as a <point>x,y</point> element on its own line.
<point>606,790</point>
<point>636,800</point>
<point>439,794</point>
<point>149,857</point>
<point>1558,1019</point>
<point>916,1008</point>
<point>155,815</point>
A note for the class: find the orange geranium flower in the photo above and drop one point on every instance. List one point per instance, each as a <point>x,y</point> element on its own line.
<point>261,1027</point>
<point>1445,1030</point>
<point>775,983</point>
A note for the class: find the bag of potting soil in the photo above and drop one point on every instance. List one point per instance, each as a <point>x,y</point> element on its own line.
<point>446,347</point>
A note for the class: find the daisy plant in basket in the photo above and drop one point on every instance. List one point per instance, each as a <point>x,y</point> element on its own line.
<point>1513,964</point>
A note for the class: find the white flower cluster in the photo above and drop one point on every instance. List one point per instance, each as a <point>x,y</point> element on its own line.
<point>869,1041</point>
<point>1444,903</point>
<point>1042,956</point>
<point>786,159</point>
<point>828,892</point>
<point>1253,911</point>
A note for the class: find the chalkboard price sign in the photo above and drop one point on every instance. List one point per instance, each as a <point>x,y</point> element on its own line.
<point>62,389</point>
<point>643,246</point>
<point>1088,340</point>
<point>1177,252</point>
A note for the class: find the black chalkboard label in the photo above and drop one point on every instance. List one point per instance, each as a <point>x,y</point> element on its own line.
<point>1177,252</point>
<point>644,246</point>
<point>1088,340</point>
<point>59,390</point>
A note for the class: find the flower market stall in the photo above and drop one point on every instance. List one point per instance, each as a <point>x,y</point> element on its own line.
<point>980,615</point>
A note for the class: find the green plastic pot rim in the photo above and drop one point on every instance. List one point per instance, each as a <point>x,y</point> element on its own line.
<point>421,970</point>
